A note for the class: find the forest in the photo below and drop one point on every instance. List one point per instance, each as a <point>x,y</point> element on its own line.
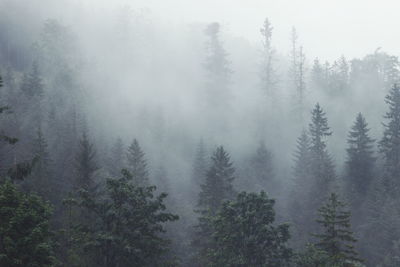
<point>126,140</point>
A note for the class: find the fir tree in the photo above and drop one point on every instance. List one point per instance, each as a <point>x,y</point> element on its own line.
<point>336,238</point>
<point>245,234</point>
<point>116,161</point>
<point>137,164</point>
<point>390,143</point>
<point>217,186</point>
<point>199,165</point>
<point>127,225</point>
<point>360,159</point>
<point>85,165</point>
<point>32,84</point>
<point>25,236</point>
<point>261,169</point>
<point>322,168</point>
<point>268,75</point>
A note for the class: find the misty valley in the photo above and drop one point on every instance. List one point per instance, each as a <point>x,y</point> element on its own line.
<point>127,139</point>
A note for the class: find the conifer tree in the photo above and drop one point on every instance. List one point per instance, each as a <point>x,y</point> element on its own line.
<point>117,158</point>
<point>245,234</point>
<point>322,168</point>
<point>390,143</point>
<point>336,238</point>
<point>268,75</point>
<point>199,165</point>
<point>137,164</point>
<point>85,165</point>
<point>261,170</point>
<point>360,160</point>
<point>217,186</point>
<point>41,176</point>
<point>32,84</point>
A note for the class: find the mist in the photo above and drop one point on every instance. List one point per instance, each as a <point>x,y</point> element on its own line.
<point>189,96</point>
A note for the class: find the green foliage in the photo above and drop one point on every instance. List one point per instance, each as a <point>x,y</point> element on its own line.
<point>126,227</point>
<point>336,238</point>
<point>24,229</point>
<point>244,233</point>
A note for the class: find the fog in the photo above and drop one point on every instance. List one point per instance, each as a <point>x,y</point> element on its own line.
<point>174,74</point>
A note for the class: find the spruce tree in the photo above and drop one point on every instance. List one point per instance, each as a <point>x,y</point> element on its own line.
<point>336,238</point>
<point>32,84</point>
<point>390,143</point>
<point>85,165</point>
<point>322,168</point>
<point>360,160</point>
<point>25,236</point>
<point>137,164</point>
<point>268,75</point>
<point>217,186</point>
<point>116,161</point>
<point>261,171</point>
<point>245,234</point>
<point>199,168</point>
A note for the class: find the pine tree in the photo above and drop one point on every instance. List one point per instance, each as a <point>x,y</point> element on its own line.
<point>245,234</point>
<point>217,186</point>
<point>25,235</point>
<point>127,225</point>
<point>199,165</point>
<point>390,143</point>
<point>360,160</point>
<point>32,84</point>
<point>116,161</point>
<point>41,176</point>
<point>85,165</point>
<point>137,164</point>
<point>302,185</point>
<point>268,75</point>
<point>261,170</point>
<point>322,167</point>
<point>336,238</point>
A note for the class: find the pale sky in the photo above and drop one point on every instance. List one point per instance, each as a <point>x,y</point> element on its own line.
<point>326,28</point>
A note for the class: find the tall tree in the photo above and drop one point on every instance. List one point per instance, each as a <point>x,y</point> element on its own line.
<point>360,161</point>
<point>336,238</point>
<point>32,84</point>
<point>390,143</point>
<point>25,235</point>
<point>245,234</point>
<point>85,165</point>
<point>116,161</point>
<point>216,188</point>
<point>127,227</point>
<point>199,168</point>
<point>268,72</point>
<point>261,171</point>
<point>137,164</point>
<point>217,66</point>
<point>322,168</point>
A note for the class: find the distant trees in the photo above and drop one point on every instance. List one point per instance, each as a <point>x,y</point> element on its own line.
<point>269,79</point>
<point>245,235</point>
<point>137,164</point>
